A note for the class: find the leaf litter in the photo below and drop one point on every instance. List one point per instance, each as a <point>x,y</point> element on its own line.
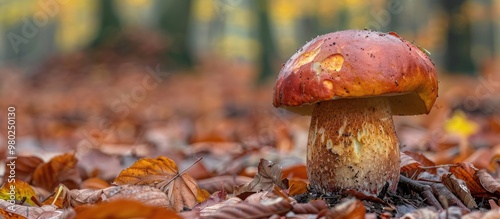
<point>81,143</point>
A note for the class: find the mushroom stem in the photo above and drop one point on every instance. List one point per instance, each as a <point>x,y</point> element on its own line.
<point>353,145</point>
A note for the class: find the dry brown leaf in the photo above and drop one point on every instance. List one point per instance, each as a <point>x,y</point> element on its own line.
<point>348,209</point>
<point>144,194</point>
<point>94,183</point>
<point>268,175</point>
<point>210,210</point>
<point>491,215</point>
<point>163,174</point>
<point>493,205</point>
<point>480,157</point>
<point>124,209</point>
<point>215,198</point>
<point>458,187</point>
<point>25,211</point>
<point>94,160</point>
<point>422,159</point>
<point>466,172</point>
<point>85,196</point>
<point>313,207</point>
<point>25,165</point>
<point>489,183</point>
<point>278,206</point>
<point>226,183</point>
<point>60,169</point>
<point>409,166</point>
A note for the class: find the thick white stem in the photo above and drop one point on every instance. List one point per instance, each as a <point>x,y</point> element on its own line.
<point>353,145</point>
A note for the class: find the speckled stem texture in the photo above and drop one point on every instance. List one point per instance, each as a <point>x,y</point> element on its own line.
<point>353,145</point>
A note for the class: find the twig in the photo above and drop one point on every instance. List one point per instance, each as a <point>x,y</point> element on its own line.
<point>424,190</point>
<point>163,184</point>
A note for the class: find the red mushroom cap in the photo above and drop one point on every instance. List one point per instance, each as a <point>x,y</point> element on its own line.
<point>354,64</point>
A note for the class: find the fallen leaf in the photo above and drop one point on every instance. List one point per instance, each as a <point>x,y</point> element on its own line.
<point>24,166</point>
<point>479,158</point>
<point>494,161</point>
<point>409,166</point>
<point>92,160</point>
<point>145,194</point>
<point>296,187</point>
<point>60,169</point>
<point>458,187</point>
<point>268,175</point>
<point>493,205</point>
<point>210,210</point>
<point>296,171</point>
<point>423,160</point>
<point>163,174</point>
<point>215,198</point>
<point>459,124</point>
<point>10,215</point>
<point>26,211</point>
<point>227,183</point>
<point>348,209</point>
<point>313,207</point>
<point>19,191</point>
<point>278,206</point>
<point>123,209</point>
<point>489,183</point>
<point>94,183</point>
<point>466,172</point>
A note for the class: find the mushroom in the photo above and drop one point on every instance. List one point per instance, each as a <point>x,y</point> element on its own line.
<point>352,82</point>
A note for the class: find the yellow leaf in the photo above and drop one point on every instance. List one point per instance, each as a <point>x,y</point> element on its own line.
<point>459,124</point>
<point>20,191</point>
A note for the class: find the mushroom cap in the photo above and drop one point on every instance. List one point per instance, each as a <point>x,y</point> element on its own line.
<point>356,64</point>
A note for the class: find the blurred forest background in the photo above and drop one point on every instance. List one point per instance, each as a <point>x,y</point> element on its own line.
<point>462,35</point>
<point>152,75</point>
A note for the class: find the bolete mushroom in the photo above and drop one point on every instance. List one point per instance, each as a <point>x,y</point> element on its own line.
<point>352,82</point>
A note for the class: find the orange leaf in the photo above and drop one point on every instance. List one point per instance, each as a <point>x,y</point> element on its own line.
<point>420,158</point>
<point>123,208</point>
<point>24,167</point>
<point>60,169</point>
<point>466,172</point>
<point>20,191</point>
<point>296,171</point>
<point>94,183</point>
<point>163,174</point>
<point>10,215</point>
<point>296,186</point>
<point>351,208</point>
<point>409,166</point>
<point>494,161</point>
